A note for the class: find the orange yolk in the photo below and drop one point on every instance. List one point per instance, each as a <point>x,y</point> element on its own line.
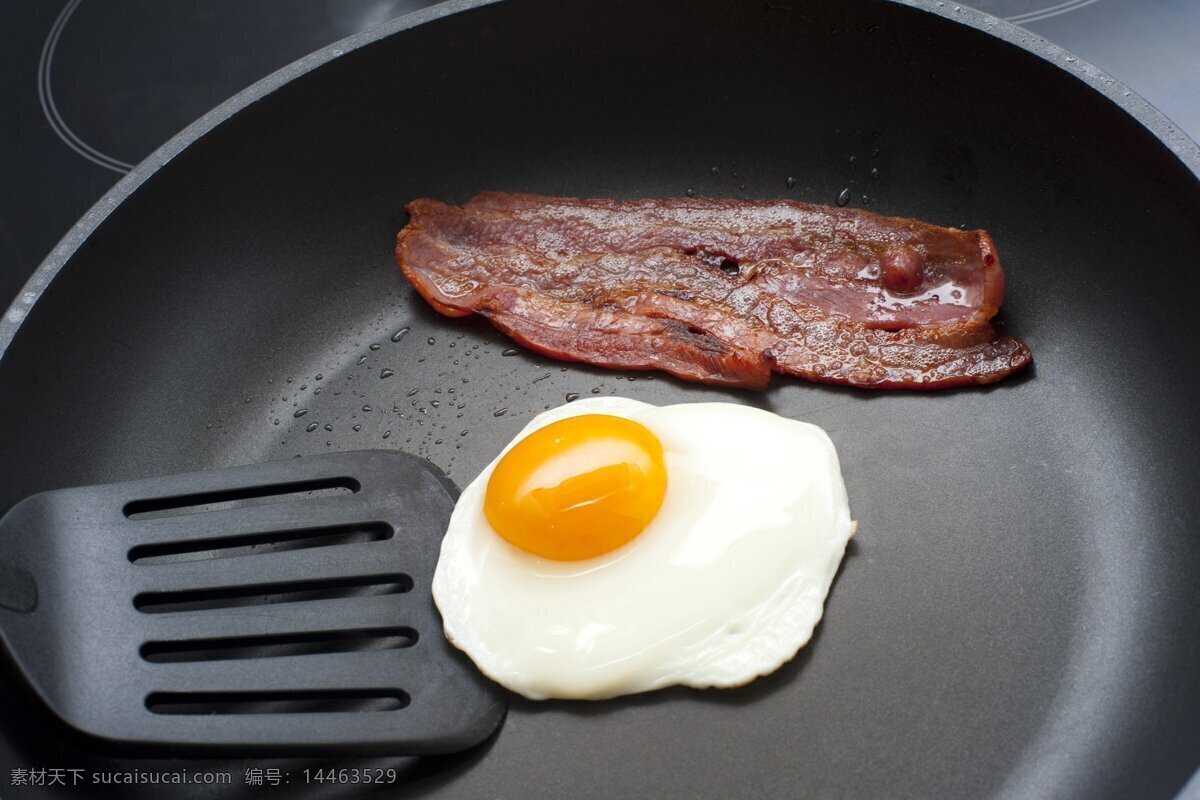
<point>577,488</point>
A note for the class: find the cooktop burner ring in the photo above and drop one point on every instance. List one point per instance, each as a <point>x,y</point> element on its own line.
<point>50,109</point>
<point>1049,11</point>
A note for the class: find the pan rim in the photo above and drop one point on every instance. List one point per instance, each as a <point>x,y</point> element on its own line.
<point>1129,101</point>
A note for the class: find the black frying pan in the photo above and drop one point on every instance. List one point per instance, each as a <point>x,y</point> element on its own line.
<point>1020,614</point>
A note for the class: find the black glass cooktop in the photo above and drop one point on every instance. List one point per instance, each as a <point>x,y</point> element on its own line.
<point>93,87</point>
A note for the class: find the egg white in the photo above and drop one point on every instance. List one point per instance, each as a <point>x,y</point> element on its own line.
<point>725,584</point>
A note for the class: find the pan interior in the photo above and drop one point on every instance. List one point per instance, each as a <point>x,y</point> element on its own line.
<point>1019,614</point>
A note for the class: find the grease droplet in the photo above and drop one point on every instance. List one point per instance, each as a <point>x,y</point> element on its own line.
<point>500,413</point>
<point>790,182</point>
<point>843,197</point>
<point>300,412</point>
<point>572,397</point>
<point>386,373</point>
<point>312,426</point>
<point>400,334</point>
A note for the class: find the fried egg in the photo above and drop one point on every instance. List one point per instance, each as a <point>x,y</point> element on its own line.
<point>617,547</point>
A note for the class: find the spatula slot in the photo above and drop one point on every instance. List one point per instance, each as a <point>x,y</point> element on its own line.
<point>303,702</point>
<point>206,549</point>
<point>271,593</point>
<point>241,497</point>
<point>300,644</point>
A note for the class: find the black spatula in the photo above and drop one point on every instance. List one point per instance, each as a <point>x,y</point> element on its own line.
<point>283,607</point>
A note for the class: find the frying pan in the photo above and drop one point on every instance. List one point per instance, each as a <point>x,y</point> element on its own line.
<point>1020,613</point>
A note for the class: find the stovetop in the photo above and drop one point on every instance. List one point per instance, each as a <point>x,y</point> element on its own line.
<point>97,86</point>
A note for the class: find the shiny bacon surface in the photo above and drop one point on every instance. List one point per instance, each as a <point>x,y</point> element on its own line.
<point>720,291</point>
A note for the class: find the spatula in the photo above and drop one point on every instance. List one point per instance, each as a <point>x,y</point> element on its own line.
<point>282,607</point>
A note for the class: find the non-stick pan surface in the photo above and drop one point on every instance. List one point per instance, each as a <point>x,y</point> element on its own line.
<point>1020,613</point>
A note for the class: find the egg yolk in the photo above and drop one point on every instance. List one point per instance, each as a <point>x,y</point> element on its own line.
<point>577,488</point>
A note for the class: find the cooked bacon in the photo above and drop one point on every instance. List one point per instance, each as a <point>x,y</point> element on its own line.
<point>720,291</point>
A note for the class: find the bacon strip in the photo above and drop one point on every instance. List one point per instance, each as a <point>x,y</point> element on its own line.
<point>720,291</point>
